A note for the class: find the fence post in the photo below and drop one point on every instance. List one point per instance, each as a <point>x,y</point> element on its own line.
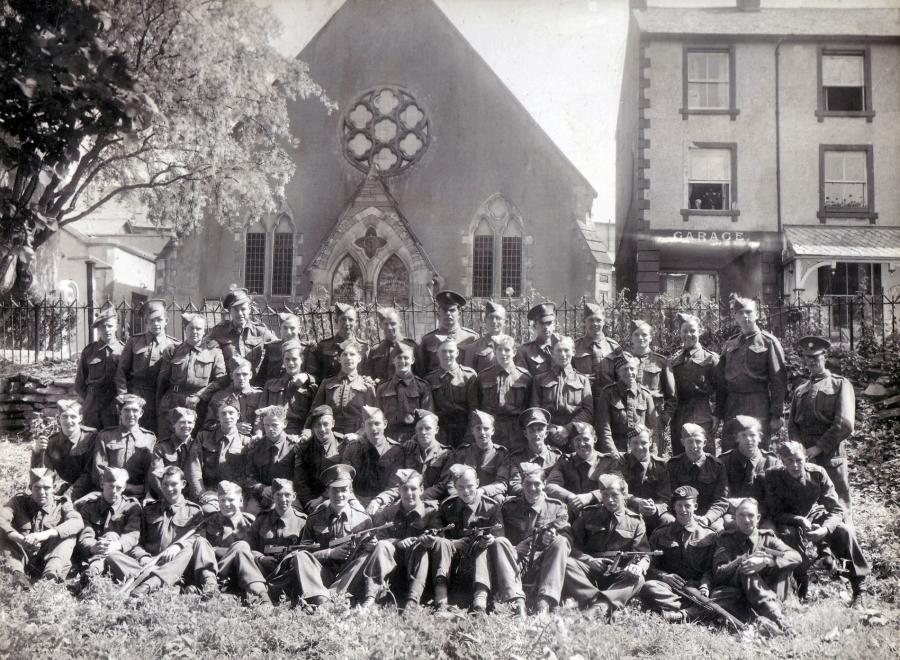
<point>37,331</point>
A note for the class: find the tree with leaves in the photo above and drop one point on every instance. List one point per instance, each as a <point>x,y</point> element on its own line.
<point>180,104</point>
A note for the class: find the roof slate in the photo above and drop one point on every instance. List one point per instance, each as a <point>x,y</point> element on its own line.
<point>596,243</point>
<point>845,242</point>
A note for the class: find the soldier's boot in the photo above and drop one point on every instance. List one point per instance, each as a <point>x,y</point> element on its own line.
<point>148,586</point>
<point>599,608</point>
<point>544,606</point>
<point>258,595</point>
<point>209,585</point>
<point>21,581</point>
<point>802,585</point>
<point>519,607</point>
<point>678,616</point>
<point>367,602</point>
<point>440,593</point>
<point>826,558</point>
<point>479,600</point>
<point>858,598</point>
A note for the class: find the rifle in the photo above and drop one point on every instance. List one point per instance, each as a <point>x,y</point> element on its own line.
<point>439,530</point>
<point>138,577</point>
<point>694,596</point>
<point>535,538</point>
<point>617,555</point>
<point>282,550</point>
<point>474,535</point>
<point>357,536</point>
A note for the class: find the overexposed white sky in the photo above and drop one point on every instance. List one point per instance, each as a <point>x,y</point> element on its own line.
<point>561,58</point>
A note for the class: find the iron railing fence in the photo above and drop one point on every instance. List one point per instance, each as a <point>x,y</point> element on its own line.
<point>52,329</point>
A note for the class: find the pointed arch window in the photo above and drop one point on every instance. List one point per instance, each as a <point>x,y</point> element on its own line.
<point>483,261</point>
<point>347,281</point>
<point>283,258</point>
<point>255,260</point>
<point>393,283</point>
<point>497,250</point>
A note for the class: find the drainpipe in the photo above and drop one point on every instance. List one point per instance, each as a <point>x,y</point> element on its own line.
<point>778,163</point>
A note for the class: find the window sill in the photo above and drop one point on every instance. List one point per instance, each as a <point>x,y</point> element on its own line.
<point>867,114</point>
<point>686,214</point>
<point>686,112</point>
<point>836,214</point>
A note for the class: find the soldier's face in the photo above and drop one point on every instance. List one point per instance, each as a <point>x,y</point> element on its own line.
<point>627,373</point>
<point>748,442</point>
<point>171,487</point>
<point>584,445</point>
<point>194,331</point>
<point>504,355</point>
<point>814,363</point>
<point>448,316</point>
<point>339,496</point>
<point>390,327</point>
<point>746,519</point>
<point>545,327</point>
<point>593,326</point>
<point>273,426</point>
<point>403,363</point>
<point>537,436</point>
<point>375,426</point>
<point>230,503</point>
<point>228,418</point>
<point>130,414</point>
<point>183,427</point>
<point>532,488</point>
<point>693,446</point>
<point>467,487</point>
<point>349,360</point>
<point>292,362</point>
<point>240,378</point>
<point>283,500</point>
<point>289,329</point>
<point>494,323</point>
<point>346,323</point>
<point>411,493</point>
<point>113,491</point>
<point>639,446</point>
<point>794,463</point>
<point>690,335</point>
<point>684,510</point>
<point>613,499</point>
<point>107,330</point>
<point>483,432</point>
<point>447,355</point>
<point>322,426</point>
<point>42,491</point>
<point>240,314</point>
<point>426,431</point>
<point>68,421</point>
<point>640,340</point>
<point>156,325</point>
<point>562,354</point>
<point>746,319</point>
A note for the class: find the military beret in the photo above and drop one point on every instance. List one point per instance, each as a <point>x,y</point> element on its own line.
<point>104,315</point>
<point>385,313</point>
<point>114,475</point>
<point>288,316</point>
<point>189,317</point>
<point>226,487</point>
<point>237,362</point>
<point>742,423</point>
<point>68,405</point>
<point>459,469</point>
<point>448,298</point>
<point>368,412</point>
<point>291,345</point>
<point>36,474</point>
<point>338,475</point>
<point>208,498</point>
<point>529,469</point>
<point>490,307</point>
<point>282,484</point>
<point>591,310</point>
<point>636,431</point>
<point>582,429</point>
<point>813,345</point>
<point>279,412</point>
<point>791,448</point>
<point>182,413</point>
<point>321,411</point>
<point>154,308</point>
<point>534,416</point>
<point>231,401</point>
<point>236,297</point>
<point>546,310</point>
<point>625,358</point>
<point>684,317</point>
<point>685,493</point>
<point>405,475</point>
<point>739,303</point>
<point>477,417</point>
<point>693,429</point>
<point>638,324</point>
<point>419,414</point>
<point>128,399</point>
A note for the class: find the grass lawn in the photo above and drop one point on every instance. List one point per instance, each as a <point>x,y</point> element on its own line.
<point>48,622</point>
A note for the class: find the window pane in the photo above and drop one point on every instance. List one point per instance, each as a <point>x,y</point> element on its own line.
<point>845,99</point>
<point>709,196</point>
<point>854,165</point>
<point>393,283</point>
<point>842,71</point>
<point>710,165</point>
<point>511,266</point>
<point>282,264</point>
<point>717,66</point>
<point>255,263</point>
<point>482,266</point>
<point>845,195</point>
<point>347,281</point>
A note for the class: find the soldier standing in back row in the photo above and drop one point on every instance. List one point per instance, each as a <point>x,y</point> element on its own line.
<point>325,359</point>
<point>450,306</point>
<point>537,354</point>
<point>479,355</point>
<point>593,347</point>
<point>695,372</point>
<point>752,374</point>
<point>240,335</point>
<point>380,364</point>
<point>95,377</point>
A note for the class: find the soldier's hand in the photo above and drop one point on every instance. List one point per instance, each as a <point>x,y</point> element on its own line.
<point>548,536</point>
<point>817,534</point>
<point>245,428</point>
<point>369,544</point>
<point>704,590</point>
<point>703,520</point>
<point>351,437</point>
<point>99,547</point>
<point>373,507</point>
<point>146,559</point>
<point>486,540</point>
<point>427,540</point>
<point>600,564</point>
<point>804,524</point>
<point>753,564</point>
<point>191,401</point>
<point>40,444</point>
<point>673,580</point>
<point>812,452</point>
<point>168,554</point>
<point>314,503</point>
<point>340,553</point>
<point>407,543</point>
<point>635,570</point>
<point>648,507</point>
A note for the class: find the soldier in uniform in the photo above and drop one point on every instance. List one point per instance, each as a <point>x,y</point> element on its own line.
<point>338,568</point>
<point>325,360</point>
<point>217,454</point>
<point>315,455</point>
<point>68,451</point>
<point>593,348</point>
<point>405,545</point>
<point>449,309</point>
<point>482,455</point>
<point>687,546</point>
<point>127,446</point>
<point>535,421</point>
<point>537,355</point>
<point>503,390</point>
<point>348,391</point>
<point>427,456</point>
<point>274,456</point>
<point>538,528</point>
<point>95,377</point>
<point>606,527</point>
<point>807,512</point>
<point>174,450</point>
<point>294,389</point>
<point>645,474</point>
<point>479,355</point>
<point>695,371</point>
<point>702,471</point>
<point>374,456</point>
<point>452,393</point>
<point>248,397</point>
<point>474,556</point>
<point>239,335</point>
<point>269,355</point>
<point>188,374</point>
<point>752,566</point>
<point>574,477</point>
<point>564,392</point>
<point>168,532</point>
<point>746,466</point>
<point>752,374</point>
<point>139,363</point>
<point>823,414</point>
<point>380,363</point>
<point>622,405</point>
<point>112,526</point>
<point>38,531</point>
<point>401,394</point>
<point>228,532</point>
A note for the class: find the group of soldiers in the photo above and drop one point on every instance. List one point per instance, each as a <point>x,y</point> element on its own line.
<point>460,470</point>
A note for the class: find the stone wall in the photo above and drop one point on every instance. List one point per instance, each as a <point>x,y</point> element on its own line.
<point>24,398</point>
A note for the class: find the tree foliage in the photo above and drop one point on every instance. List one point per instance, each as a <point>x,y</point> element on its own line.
<point>180,103</point>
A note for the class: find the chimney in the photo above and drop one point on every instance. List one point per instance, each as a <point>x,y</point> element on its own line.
<point>748,5</point>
